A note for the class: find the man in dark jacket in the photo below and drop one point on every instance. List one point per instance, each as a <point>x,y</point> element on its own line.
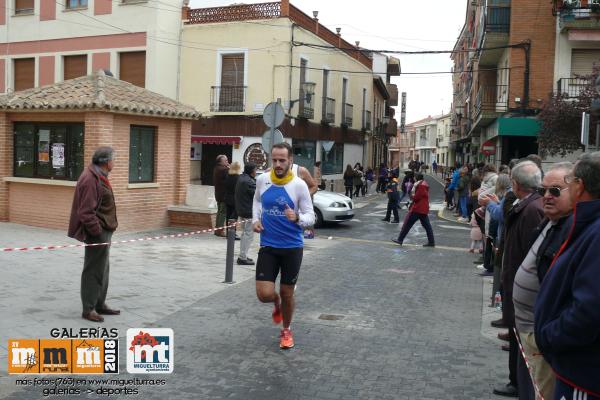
<point>244,195</point>
<point>521,220</point>
<point>219,176</point>
<point>547,236</point>
<point>567,311</point>
<point>93,220</point>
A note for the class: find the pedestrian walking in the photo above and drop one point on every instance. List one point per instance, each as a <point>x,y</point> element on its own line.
<point>418,211</point>
<point>219,175</point>
<point>281,208</point>
<point>370,178</point>
<point>381,177</point>
<point>392,193</point>
<point>244,196</point>
<point>93,221</point>
<point>358,180</point>
<point>349,180</point>
<point>567,310</point>
<point>434,166</point>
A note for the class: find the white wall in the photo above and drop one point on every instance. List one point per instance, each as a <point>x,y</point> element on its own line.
<point>562,56</point>
<point>353,153</point>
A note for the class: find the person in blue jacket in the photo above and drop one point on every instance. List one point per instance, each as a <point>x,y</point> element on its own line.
<point>452,187</point>
<point>567,311</point>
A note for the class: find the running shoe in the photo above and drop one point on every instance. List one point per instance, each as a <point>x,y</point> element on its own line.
<point>277,316</point>
<point>286,340</point>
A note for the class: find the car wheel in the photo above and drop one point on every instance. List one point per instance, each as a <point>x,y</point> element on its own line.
<point>318,219</point>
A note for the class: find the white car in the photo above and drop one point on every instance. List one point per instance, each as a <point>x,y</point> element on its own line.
<point>332,207</point>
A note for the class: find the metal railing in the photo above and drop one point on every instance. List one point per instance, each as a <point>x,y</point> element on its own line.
<point>497,19</point>
<point>491,98</point>
<point>572,87</point>
<point>367,120</point>
<point>305,107</point>
<point>328,110</point>
<point>348,112</point>
<point>227,98</point>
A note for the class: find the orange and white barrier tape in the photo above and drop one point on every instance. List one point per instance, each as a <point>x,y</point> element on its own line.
<point>538,392</point>
<point>67,246</point>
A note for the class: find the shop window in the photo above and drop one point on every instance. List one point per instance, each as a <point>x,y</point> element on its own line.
<point>304,153</point>
<point>141,154</point>
<point>332,162</point>
<point>48,151</point>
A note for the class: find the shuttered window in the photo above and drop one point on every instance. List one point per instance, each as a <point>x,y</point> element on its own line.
<point>24,73</point>
<point>582,61</point>
<point>231,94</point>
<point>132,67</point>
<point>232,70</point>
<point>23,7</point>
<point>75,66</point>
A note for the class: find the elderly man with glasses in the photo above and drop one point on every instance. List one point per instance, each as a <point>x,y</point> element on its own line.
<point>567,310</point>
<point>547,239</point>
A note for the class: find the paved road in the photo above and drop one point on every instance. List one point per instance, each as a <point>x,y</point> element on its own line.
<point>374,321</point>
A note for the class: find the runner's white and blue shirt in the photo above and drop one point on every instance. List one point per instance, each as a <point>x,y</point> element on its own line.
<point>269,205</point>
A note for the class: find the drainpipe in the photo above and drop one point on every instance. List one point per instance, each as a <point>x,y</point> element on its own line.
<point>185,15</point>
<point>526,46</point>
<point>291,63</point>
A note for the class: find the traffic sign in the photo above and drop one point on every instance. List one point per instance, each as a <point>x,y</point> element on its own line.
<point>273,115</point>
<point>266,139</point>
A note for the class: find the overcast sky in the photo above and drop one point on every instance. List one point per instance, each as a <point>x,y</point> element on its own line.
<point>405,25</point>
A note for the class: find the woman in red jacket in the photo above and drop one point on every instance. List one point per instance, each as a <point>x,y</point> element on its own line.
<point>418,211</point>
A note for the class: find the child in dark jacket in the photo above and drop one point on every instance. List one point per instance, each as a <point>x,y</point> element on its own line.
<point>393,197</point>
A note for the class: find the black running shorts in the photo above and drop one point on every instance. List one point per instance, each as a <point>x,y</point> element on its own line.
<point>271,260</point>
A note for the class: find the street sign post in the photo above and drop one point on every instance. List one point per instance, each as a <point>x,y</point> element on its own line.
<point>273,117</point>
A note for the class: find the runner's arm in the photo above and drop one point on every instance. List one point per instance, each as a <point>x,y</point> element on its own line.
<point>256,203</point>
<point>306,213</point>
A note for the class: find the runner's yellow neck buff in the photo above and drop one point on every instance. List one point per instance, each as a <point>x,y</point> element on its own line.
<point>281,181</point>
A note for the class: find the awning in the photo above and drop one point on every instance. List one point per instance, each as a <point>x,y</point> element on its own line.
<point>216,139</point>
<point>518,126</point>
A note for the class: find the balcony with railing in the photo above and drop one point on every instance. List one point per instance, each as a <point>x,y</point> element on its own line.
<point>227,98</point>
<point>391,127</point>
<point>496,32</point>
<point>328,116</point>
<point>347,114</point>
<point>491,101</point>
<point>572,87</point>
<point>577,14</point>
<point>306,108</point>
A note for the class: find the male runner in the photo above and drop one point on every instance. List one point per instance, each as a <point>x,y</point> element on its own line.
<point>281,208</point>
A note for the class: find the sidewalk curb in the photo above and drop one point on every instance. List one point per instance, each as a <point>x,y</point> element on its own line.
<point>441,211</point>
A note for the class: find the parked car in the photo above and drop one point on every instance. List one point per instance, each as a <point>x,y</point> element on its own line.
<point>332,207</point>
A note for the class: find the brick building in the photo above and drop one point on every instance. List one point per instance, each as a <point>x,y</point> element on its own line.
<point>498,92</point>
<point>48,135</point>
